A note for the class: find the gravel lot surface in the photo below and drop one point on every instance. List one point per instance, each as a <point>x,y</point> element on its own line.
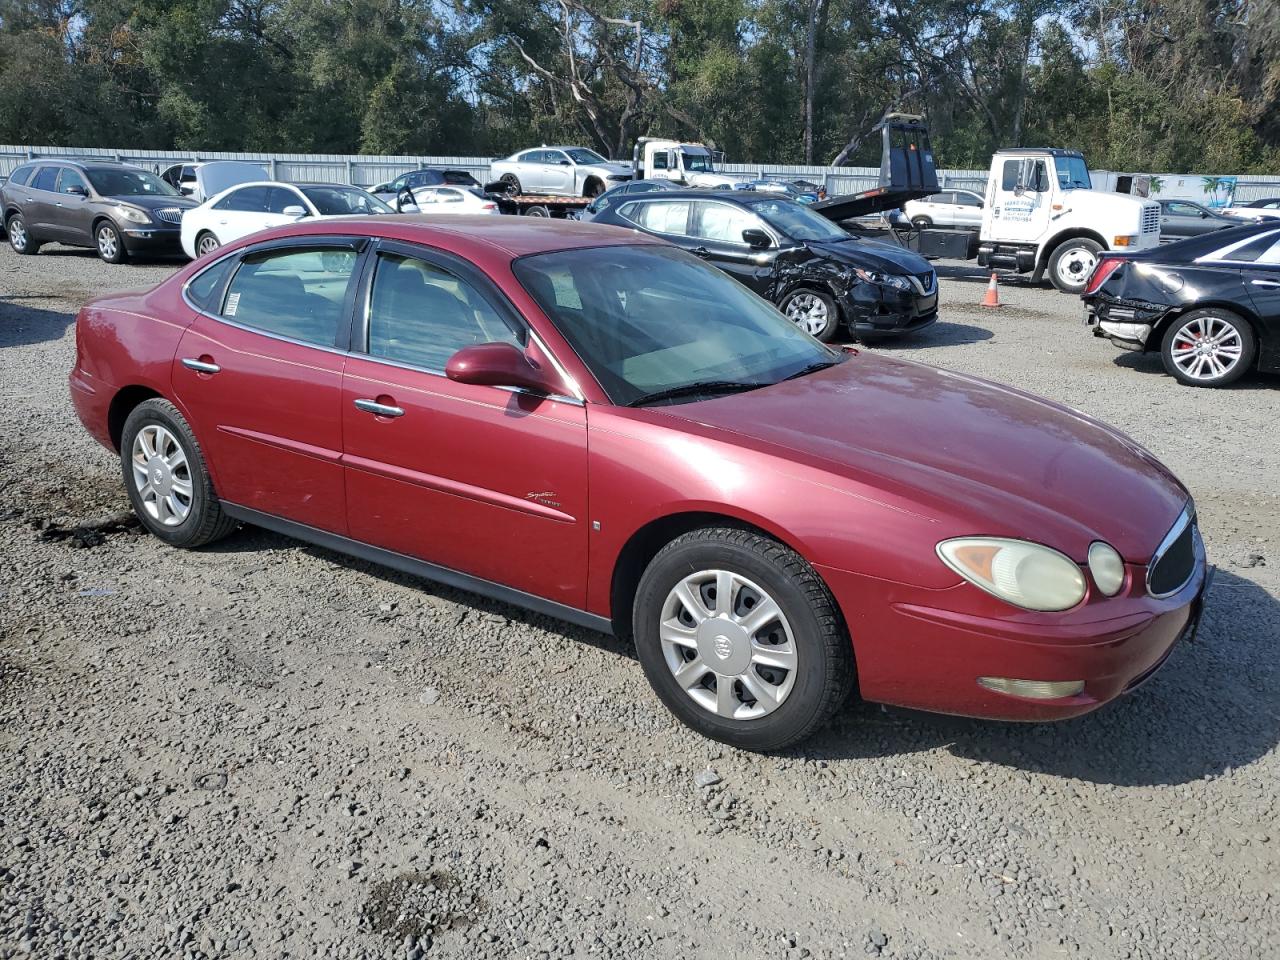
<point>264,749</point>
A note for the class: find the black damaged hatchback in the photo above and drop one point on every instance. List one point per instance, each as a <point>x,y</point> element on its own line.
<point>819,276</point>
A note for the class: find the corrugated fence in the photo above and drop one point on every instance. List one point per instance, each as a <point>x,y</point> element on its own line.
<point>364,170</point>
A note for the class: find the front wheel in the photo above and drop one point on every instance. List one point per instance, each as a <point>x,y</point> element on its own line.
<point>593,188</point>
<point>538,211</point>
<point>166,478</point>
<point>813,311</point>
<point>921,223</point>
<point>20,238</point>
<point>1208,348</point>
<point>110,244</point>
<point>1072,263</point>
<point>740,639</point>
<point>206,243</point>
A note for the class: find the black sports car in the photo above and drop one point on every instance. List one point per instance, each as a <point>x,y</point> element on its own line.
<point>1209,304</point>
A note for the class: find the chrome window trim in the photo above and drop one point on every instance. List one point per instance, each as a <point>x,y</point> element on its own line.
<point>1185,519</point>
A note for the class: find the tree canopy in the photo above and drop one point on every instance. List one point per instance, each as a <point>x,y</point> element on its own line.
<point>1164,85</point>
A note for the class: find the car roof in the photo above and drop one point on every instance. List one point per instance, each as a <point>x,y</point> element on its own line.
<point>744,198</point>
<point>88,164</point>
<point>1029,151</point>
<point>473,237</point>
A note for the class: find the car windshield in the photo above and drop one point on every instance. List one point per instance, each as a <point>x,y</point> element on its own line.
<point>336,201</point>
<point>1073,173</point>
<point>797,222</point>
<point>653,322</point>
<point>129,183</point>
<point>697,162</point>
<point>583,155</point>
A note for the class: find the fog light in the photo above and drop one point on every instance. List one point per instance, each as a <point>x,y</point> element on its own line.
<point>1033,689</point>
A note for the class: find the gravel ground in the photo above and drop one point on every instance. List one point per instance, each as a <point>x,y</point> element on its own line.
<point>264,749</point>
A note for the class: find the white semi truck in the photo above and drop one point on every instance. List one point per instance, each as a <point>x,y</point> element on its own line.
<point>1043,217</point>
<point>690,164</point>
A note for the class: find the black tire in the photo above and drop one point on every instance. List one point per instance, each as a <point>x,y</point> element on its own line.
<point>205,521</point>
<point>921,223</point>
<point>208,239</point>
<point>592,188</point>
<point>824,330</point>
<point>109,243</point>
<point>538,211</point>
<point>513,184</point>
<point>824,656</point>
<point>24,243</point>
<point>1229,329</point>
<point>1069,264</point>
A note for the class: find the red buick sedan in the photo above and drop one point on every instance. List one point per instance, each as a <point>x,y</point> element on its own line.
<point>593,424</point>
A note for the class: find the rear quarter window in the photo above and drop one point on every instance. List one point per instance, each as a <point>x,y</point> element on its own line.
<point>205,289</point>
<point>21,175</point>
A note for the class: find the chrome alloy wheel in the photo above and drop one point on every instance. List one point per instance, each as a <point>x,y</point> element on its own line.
<point>728,645</point>
<point>1206,348</point>
<point>1075,267</point>
<point>162,475</point>
<point>108,243</point>
<point>208,243</point>
<point>18,234</point>
<point>808,312</point>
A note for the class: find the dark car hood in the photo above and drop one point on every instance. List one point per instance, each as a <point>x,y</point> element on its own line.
<point>870,255</point>
<point>984,458</point>
<point>148,202</point>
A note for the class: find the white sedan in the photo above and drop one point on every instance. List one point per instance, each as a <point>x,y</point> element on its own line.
<point>249,207</point>
<point>450,201</point>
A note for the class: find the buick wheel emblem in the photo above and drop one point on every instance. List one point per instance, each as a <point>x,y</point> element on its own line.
<point>722,647</point>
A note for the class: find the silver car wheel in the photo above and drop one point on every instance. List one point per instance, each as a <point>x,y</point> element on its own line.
<point>728,645</point>
<point>18,234</point>
<point>1076,266</point>
<point>1206,348</point>
<point>808,312</point>
<point>208,243</point>
<point>108,243</point>
<point>162,475</point>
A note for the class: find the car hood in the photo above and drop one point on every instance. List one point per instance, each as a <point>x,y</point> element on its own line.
<point>154,202</point>
<point>982,458</point>
<point>871,255</point>
<point>610,169</point>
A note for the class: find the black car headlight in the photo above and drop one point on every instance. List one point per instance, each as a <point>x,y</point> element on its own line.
<point>882,279</point>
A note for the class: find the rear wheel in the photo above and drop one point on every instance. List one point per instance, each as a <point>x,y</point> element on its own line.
<point>206,243</point>
<point>1072,263</point>
<point>513,184</point>
<point>538,211</point>
<point>19,237</point>
<point>592,188</point>
<point>921,223</point>
<point>166,478</point>
<point>109,242</point>
<point>813,311</point>
<point>741,639</point>
<point>1208,348</point>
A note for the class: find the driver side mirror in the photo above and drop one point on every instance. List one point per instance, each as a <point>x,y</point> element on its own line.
<point>757,239</point>
<point>295,210</point>
<point>405,201</point>
<point>564,163</point>
<point>500,365</point>
<point>76,190</point>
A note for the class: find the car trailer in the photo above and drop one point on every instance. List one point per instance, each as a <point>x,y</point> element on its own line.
<point>535,205</point>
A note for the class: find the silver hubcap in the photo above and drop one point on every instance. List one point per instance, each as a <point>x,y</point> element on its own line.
<point>1207,348</point>
<point>808,312</point>
<point>107,243</point>
<point>207,245</point>
<point>162,475</point>
<point>728,645</point>
<point>18,235</point>
<point>1076,265</point>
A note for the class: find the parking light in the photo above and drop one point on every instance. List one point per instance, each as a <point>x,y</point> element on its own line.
<point>1033,689</point>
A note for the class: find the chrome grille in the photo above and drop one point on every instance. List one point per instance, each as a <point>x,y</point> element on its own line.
<point>925,283</point>
<point>1174,562</point>
<point>169,214</point>
<point>1151,218</point>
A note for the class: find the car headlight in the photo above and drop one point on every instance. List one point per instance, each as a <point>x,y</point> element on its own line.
<point>1107,567</point>
<point>133,214</point>
<point>1027,575</point>
<point>883,279</point>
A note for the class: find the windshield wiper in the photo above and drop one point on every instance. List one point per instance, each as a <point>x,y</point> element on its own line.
<point>812,368</point>
<point>696,388</point>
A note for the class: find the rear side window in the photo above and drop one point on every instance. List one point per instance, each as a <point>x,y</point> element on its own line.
<point>205,290</point>
<point>20,175</point>
<point>659,216</point>
<point>292,293</point>
<point>46,179</point>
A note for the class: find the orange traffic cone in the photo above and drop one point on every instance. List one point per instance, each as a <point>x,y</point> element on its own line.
<point>992,299</point>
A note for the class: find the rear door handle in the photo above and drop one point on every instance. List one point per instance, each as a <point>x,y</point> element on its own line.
<point>1266,283</point>
<point>200,366</point>
<point>379,409</point>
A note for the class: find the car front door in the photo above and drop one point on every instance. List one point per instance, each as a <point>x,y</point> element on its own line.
<point>716,230</point>
<point>1187,220</point>
<point>488,481</point>
<point>967,211</point>
<point>259,374</point>
<point>559,173</point>
<point>72,213</point>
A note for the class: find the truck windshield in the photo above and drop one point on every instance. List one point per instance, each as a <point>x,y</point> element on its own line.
<point>697,162</point>
<point>1073,173</point>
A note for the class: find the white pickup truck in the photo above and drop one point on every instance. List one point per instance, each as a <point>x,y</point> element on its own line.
<point>1042,216</point>
<point>689,164</point>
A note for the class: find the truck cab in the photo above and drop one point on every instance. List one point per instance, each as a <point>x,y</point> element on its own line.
<point>689,164</point>
<point>1042,215</point>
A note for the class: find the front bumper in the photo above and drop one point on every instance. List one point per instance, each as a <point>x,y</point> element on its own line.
<point>925,649</point>
<point>873,311</point>
<point>147,239</point>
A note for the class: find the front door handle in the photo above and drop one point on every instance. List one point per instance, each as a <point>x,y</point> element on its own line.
<point>1270,284</point>
<point>379,409</point>
<point>701,252</point>
<point>200,366</point>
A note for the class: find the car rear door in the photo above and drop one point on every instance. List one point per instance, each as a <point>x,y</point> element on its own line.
<point>39,209</point>
<point>259,373</point>
<point>487,481</point>
<point>715,229</point>
<point>1262,279</point>
<point>241,212</point>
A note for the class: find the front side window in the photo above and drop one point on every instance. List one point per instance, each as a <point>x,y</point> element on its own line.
<point>659,216</point>
<point>650,319</point>
<point>797,221</point>
<point>722,222</point>
<point>280,198</point>
<point>46,179</point>
<point>123,182</point>
<point>339,201</point>
<point>70,178</point>
<point>246,200</point>
<point>660,160</point>
<point>292,293</point>
<point>968,200</point>
<point>420,314</point>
